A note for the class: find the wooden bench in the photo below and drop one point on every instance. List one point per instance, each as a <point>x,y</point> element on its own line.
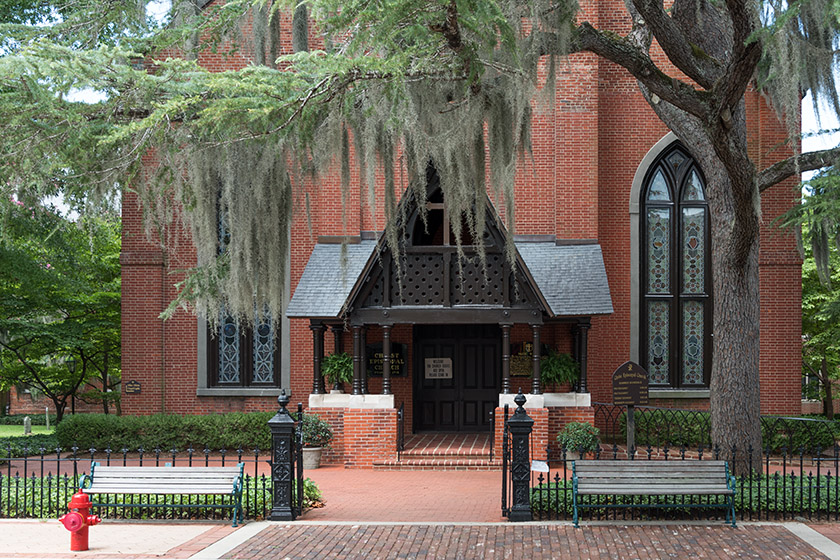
<point>145,481</point>
<point>653,478</point>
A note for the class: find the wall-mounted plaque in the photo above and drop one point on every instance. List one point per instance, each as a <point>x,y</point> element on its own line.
<point>375,359</point>
<point>630,385</point>
<point>132,387</point>
<point>438,368</point>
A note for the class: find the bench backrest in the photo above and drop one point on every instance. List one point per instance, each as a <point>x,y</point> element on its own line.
<point>651,477</point>
<point>165,480</point>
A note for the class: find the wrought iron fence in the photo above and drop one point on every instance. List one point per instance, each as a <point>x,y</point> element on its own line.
<point>659,427</point>
<point>783,486</point>
<point>40,482</point>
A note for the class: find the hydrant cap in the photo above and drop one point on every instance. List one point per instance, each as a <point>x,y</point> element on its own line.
<point>80,500</point>
<point>73,521</point>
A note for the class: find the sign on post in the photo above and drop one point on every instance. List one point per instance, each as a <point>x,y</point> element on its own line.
<point>630,389</point>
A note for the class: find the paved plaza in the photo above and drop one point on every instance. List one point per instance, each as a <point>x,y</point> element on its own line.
<point>423,515</point>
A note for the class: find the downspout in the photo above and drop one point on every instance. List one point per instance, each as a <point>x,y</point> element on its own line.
<point>163,333</point>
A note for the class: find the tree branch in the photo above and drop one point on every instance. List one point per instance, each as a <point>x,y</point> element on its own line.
<point>788,167</point>
<point>676,45</point>
<point>620,51</point>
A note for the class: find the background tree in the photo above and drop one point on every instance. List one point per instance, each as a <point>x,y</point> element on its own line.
<point>820,216</point>
<point>429,79</point>
<point>59,302</point>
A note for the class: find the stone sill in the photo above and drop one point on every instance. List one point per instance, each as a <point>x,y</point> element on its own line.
<point>346,400</point>
<point>546,400</point>
<point>237,392</point>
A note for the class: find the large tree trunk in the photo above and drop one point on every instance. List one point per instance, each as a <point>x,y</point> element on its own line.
<point>735,392</point>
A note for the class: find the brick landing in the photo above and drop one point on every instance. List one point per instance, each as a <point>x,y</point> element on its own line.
<point>444,452</point>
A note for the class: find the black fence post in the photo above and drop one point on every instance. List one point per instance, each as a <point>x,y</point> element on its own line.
<point>282,427</point>
<point>520,426</point>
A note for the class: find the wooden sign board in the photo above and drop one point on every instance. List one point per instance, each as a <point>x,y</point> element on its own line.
<point>438,368</point>
<point>132,387</point>
<point>630,385</point>
<point>375,359</point>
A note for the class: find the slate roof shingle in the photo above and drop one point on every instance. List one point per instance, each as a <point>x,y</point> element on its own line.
<point>572,278</point>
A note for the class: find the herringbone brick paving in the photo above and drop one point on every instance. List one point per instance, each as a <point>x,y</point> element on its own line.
<point>530,541</point>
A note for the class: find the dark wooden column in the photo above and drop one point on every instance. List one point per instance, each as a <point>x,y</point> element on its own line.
<point>338,338</point>
<point>506,359</point>
<point>357,360</point>
<point>582,347</point>
<point>363,370</point>
<point>535,353</point>
<point>317,357</point>
<point>386,359</point>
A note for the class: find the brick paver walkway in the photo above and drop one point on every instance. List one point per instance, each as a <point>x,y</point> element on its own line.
<point>532,541</point>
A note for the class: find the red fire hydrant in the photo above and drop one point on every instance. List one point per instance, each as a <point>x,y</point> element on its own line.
<point>78,521</point>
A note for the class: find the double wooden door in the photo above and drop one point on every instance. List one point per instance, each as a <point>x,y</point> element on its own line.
<point>457,377</point>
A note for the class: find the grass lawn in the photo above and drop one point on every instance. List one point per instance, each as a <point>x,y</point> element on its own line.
<point>14,431</point>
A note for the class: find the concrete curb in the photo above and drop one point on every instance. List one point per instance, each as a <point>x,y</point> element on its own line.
<point>815,539</point>
<point>228,543</point>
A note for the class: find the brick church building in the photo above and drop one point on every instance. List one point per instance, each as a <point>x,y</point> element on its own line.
<point>612,264</point>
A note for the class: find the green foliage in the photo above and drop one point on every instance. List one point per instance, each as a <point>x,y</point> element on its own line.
<point>166,431</point>
<point>579,436</point>
<point>316,431</point>
<point>338,368</point>
<point>758,493</point>
<point>30,445</point>
<point>557,367</point>
<point>17,419</point>
<point>675,428</point>
<point>59,301</point>
<point>45,497</point>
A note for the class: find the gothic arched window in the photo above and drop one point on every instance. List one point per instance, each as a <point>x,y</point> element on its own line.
<point>676,310</point>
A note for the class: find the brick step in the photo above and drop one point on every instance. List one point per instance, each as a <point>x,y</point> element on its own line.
<point>473,463</point>
<point>446,452</point>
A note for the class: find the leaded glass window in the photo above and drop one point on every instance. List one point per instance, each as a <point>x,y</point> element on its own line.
<point>240,356</point>
<point>676,284</point>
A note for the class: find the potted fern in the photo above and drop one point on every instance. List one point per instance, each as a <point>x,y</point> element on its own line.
<point>316,435</point>
<point>558,369</point>
<point>578,439</point>
<point>338,369</point>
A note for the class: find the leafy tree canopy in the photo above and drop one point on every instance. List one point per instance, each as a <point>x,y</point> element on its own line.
<point>59,300</point>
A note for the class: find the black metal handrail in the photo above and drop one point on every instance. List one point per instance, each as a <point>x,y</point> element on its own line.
<point>400,430</point>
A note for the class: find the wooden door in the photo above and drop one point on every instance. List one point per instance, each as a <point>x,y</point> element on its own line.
<point>458,399</point>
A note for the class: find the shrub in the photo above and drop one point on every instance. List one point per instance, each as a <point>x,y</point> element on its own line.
<point>166,431</point>
<point>316,431</point>
<point>579,436</point>
<point>27,446</point>
<point>17,419</point>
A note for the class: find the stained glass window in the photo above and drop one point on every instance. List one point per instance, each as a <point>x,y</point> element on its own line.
<point>238,355</point>
<point>659,250</point>
<point>658,188</point>
<point>658,342</point>
<point>676,283</point>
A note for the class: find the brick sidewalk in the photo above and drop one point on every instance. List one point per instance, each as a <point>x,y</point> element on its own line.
<point>534,541</point>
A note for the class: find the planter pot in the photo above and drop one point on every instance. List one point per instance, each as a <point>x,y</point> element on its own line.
<point>312,457</point>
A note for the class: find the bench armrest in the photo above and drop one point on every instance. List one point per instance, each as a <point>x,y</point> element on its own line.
<point>87,479</point>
